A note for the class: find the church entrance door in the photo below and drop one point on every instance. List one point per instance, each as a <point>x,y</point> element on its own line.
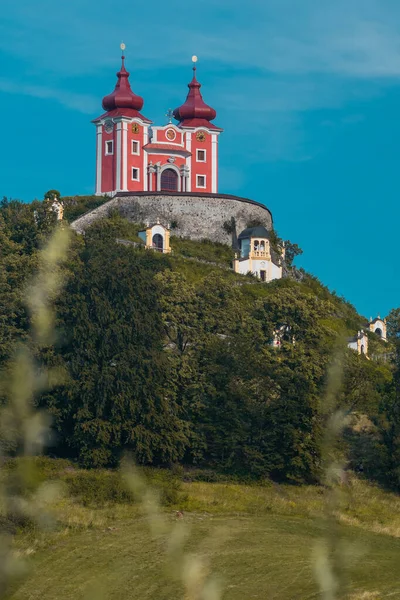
<point>169,180</point>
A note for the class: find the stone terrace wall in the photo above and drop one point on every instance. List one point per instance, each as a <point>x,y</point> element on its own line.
<point>195,216</point>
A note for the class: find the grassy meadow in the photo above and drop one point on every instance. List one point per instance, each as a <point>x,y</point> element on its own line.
<point>251,541</point>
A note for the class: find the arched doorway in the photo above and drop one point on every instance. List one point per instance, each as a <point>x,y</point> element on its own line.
<point>378,332</point>
<point>169,180</point>
<point>158,242</point>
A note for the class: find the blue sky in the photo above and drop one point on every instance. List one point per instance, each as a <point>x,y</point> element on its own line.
<point>307,91</point>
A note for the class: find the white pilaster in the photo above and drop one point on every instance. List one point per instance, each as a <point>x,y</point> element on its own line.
<point>118,157</point>
<point>151,171</point>
<point>99,150</point>
<point>125,156</point>
<point>214,163</point>
<point>158,172</point>
<point>145,156</point>
<point>189,160</point>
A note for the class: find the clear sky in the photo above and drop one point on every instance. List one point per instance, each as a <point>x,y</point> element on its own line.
<point>307,92</point>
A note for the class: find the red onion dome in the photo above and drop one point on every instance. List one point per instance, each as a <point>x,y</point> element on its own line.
<point>194,106</point>
<point>122,96</point>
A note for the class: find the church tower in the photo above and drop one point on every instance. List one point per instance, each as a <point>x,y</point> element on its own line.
<point>201,138</point>
<point>133,157</point>
<point>122,131</point>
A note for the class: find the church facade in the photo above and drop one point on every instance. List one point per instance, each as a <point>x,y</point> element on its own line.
<point>133,155</point>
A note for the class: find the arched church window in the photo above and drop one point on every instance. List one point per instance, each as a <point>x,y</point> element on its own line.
<point>262,246</point>
<point>256,244</point>
<point>362,349</point>
<point>378,331</point>
<point>169,180</point>
<point>158,242</point>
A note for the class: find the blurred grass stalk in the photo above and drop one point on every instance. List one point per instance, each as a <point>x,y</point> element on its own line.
<point>22,427</point>
<point>329,552</point>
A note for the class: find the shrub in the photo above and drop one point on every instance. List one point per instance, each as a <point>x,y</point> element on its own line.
<point>255,223</point>
<point>229,226</point>
<point>35,471</point>
<point>97,488</point>
<point>167,484</point>
<point>206,250</point>
<point>208,476</point>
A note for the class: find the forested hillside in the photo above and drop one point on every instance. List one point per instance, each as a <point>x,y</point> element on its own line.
<point>171,357</point>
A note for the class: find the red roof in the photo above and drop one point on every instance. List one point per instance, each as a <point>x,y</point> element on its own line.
<point>195,109</point>
<point>122,96</point>
<point>199,123</point>
<point>123,112</point>
<point>169,147</point>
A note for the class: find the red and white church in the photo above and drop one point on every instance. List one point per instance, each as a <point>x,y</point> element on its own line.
<point>135,156</point>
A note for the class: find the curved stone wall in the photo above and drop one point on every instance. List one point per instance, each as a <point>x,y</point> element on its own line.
<point>191,215</point>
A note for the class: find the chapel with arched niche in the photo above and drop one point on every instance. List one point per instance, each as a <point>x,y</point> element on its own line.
<point>379,327</point>
<point>133,155</point>
<point>156,237</point>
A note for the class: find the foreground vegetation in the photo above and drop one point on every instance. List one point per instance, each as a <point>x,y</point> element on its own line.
<point>255,541</point>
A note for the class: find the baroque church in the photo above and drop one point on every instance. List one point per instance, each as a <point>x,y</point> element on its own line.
<point>134,156</point>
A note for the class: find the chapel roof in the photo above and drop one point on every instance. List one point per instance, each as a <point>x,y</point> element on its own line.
<point>251,232</point>
<point>173,149</point>
<point>373,321</point>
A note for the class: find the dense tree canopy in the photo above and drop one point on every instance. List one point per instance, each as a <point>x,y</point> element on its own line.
<point>172,359</point>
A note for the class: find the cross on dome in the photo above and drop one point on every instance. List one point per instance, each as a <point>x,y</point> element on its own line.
<point>169,114</point>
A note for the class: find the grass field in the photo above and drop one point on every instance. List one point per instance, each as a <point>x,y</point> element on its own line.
<point>254,557</point>
<point>258,542</point>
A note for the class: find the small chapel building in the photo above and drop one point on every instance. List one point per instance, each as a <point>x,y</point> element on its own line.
<point>359,343</point>
<point>156,237</point>
<point>379,327</point>
<point>256,255</point>
<point>133,155</point>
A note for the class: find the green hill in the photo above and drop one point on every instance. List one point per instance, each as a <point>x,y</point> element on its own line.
<point>170,357</point>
